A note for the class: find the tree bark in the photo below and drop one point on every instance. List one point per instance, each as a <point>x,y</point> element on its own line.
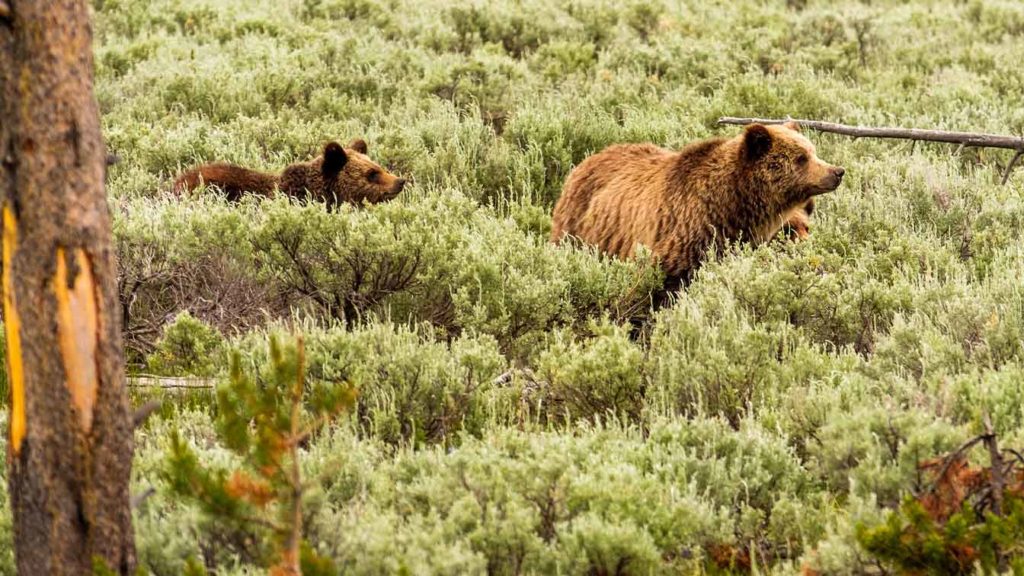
<point>70,445</point>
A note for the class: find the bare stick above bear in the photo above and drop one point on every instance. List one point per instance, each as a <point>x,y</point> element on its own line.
<point>338,175</point>
<point>683,204</point>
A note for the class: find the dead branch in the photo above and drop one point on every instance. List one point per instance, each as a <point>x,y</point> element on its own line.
<point>143,412</point>
<point>170,382</point>
<point>139,499</point>
<point>975,139</point>
<point>1016,454</point>
<point>957,454</point>
<point>506,377</point>
<point>997,466</point>
<point>1009,167</point>
<point>997,473</point>
<point>966,138</point>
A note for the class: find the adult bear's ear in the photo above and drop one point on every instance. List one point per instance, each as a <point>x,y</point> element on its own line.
<point>334,159</point>
<point>793,125</point>
<point>359,145</point>
<point>757,141</point>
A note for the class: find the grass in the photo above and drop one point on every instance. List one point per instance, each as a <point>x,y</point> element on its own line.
<point>786,396</point>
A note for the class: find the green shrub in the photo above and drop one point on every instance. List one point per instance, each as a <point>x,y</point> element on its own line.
<point>411,388</point>
<point>596,546</point>
<point>703,365</point>
<point>597,378</point>
<point>441,260</point>
<point>188,347</point>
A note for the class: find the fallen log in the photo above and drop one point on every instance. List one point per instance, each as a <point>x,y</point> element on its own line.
<point>171,382</point>
<point>975,139</point>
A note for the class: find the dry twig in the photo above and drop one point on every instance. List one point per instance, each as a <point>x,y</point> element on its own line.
<point>997,466</point>
<point>143,412</point>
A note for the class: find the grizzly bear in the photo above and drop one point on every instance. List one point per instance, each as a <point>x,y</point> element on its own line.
<point>682,205</point>
<point>338,175</point>
<point>798,222</point>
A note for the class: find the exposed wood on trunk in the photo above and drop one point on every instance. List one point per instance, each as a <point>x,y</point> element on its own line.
<point>70,453</point>
<point>975,139</point>
<point>12,330</point>
<point>77,330</point>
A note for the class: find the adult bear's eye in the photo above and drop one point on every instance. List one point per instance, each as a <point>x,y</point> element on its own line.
<point>373,175</point>
<point>801,159</point>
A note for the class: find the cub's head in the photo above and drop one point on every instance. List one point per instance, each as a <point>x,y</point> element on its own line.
<point>797,225</point>
<point>350,176</point>
<point>780,159</point>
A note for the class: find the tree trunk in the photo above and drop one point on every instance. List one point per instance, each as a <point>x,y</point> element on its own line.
<point>70,449</point>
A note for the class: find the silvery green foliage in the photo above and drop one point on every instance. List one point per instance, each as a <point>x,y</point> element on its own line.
<point>403,261</point>
<point>600,375</point>
<point>411,388</point>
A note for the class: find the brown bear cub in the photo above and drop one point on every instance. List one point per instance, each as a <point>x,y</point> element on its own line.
<point>684,204</point>
<point>338,175</point>
<point>798,224</point>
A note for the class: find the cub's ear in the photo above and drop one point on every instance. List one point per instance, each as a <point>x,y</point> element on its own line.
<point>334,159</point>
<point>757,141</point>
<point>809,207</point>
<point>793,125</point>
<point>359,145</point>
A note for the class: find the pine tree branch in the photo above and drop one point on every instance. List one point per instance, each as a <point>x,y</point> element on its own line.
<point>290,556</point>
<point>312,427</point>
<point>245,519</point>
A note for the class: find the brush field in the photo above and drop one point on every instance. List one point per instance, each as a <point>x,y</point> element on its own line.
<point>508,421</point>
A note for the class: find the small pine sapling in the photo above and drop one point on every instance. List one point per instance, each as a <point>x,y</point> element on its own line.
<point>264,424</point>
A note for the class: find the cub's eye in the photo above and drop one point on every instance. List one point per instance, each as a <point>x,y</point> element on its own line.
<point>801,159</point>
<point>373,175</point>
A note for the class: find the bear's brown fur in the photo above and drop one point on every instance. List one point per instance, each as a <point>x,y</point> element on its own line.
<point>798,223</point>
<point>338,175</point>
<point>683,204</point>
